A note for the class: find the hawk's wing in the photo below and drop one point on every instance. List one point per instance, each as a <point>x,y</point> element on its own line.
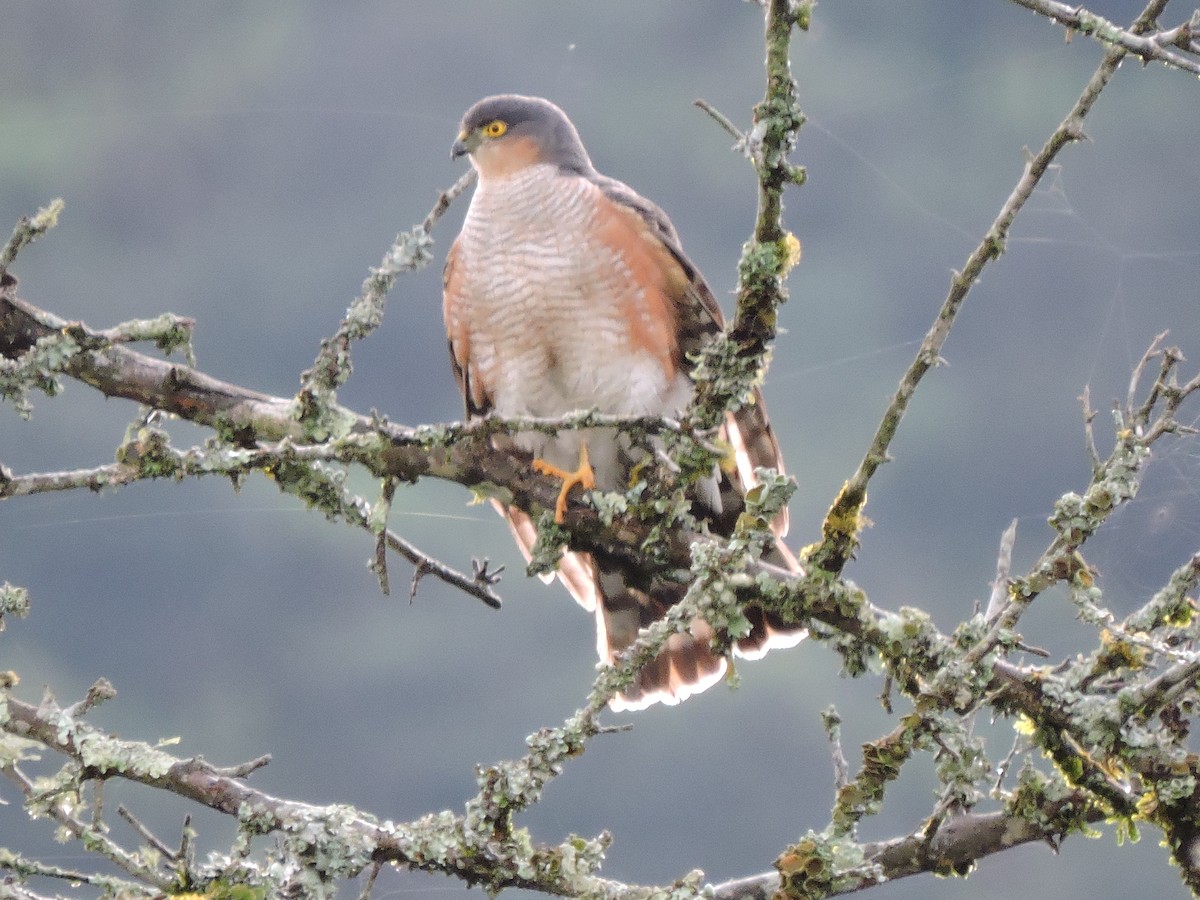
<point>476,398</point>
<point>698,319</point>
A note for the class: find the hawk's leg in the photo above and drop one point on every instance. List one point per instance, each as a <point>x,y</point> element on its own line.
<point>582,476</point>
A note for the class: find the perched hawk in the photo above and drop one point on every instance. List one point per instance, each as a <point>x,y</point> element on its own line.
<point>568,291</point>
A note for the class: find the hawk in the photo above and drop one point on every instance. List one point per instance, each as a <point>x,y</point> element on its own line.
<point>567,291</point>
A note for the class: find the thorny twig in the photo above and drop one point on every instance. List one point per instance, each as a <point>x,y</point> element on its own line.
<point>1177,47</point>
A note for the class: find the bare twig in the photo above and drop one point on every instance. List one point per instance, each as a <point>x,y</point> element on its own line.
<point>146,834</point>
<point>242,770</point>
<point>721,119</point>
<point>383,509</point>
<point>999,596</point>
<point>1135,379</point>
<point>369,884</point>
<point>478,584</point>
<point>1089,434</point>
<point>833,730</point>
<point>99,692</point>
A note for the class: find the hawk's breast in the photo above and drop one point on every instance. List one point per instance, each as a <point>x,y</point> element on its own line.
<point>560,315</point>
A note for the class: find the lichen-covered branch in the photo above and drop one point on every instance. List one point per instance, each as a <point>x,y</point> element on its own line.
<point>39,346</point>
<point>948,673</point>
<point>28,230</point>
<point>1177,47</point>
<point>731,366</point>
<point>411,251</point>
<point>317,843</point>
<point>954,849</point>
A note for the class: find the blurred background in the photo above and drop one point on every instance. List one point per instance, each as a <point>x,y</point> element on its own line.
<point>246,164</point>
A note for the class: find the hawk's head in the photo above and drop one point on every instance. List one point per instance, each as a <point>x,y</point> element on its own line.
<point>508,132</point>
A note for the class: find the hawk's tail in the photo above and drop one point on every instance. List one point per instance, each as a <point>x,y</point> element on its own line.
<point>686,664</point>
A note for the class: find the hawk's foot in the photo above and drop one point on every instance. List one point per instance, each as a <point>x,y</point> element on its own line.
<point>582,476</point>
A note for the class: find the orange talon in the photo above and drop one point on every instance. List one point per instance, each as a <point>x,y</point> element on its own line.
<point>583,476</point>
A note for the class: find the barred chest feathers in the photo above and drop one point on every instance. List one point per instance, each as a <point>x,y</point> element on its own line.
<point>558,319</point>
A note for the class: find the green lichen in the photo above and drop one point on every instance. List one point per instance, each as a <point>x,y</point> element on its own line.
<point>14,601</point>
<point>28,229</point>
<point>882,761</point>
<point>552,540</point>
<point>37,369</point>
<point>1048,802</point>
<point>821,864</point>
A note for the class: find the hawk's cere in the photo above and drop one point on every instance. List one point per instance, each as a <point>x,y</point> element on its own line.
<point>568,291</point>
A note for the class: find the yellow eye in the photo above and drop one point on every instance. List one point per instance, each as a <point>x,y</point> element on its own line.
<point>495,128</point>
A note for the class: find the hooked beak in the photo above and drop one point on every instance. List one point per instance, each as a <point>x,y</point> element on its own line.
<point>464,144</point>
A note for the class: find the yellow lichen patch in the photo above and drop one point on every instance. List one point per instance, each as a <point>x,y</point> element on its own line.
<point>728,460</point>
<point>792,250</point>
<point>801,867</point>
<point>1182,616</point>
<point>1118,653</point>
<point>844,519</point>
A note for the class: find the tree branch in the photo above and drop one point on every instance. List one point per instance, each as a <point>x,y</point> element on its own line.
<point>843,521</point>
<point>1177,47</point>
<point>956,847</point>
